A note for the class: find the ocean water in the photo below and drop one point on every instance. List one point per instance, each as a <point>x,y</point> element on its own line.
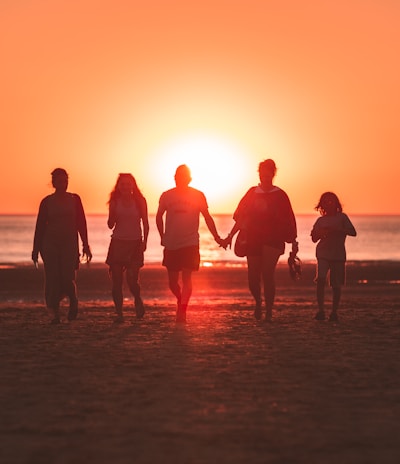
<point>378,239</point>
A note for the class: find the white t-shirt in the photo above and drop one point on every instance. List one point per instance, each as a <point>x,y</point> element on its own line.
<point>182,207</point>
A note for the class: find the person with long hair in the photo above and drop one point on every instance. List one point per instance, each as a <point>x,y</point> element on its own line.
<point>266,216</point>
<point>60,219</point>
<point>128,218</point>
<point>330,232</point>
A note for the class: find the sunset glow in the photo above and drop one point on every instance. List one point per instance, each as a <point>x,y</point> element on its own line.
<point>105,87</point>
<point>218,167</point>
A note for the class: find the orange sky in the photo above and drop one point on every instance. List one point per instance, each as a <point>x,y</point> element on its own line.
<point>107,86</point>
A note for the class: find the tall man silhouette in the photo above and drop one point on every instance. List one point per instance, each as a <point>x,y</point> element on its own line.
<point>179,234</point>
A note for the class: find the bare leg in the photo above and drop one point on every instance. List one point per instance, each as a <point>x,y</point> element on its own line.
<point>269,260</point>
<point>320,316</point>
<point>186,294</point>
<point>187,287</point>
<point>132,277</point>
<point>173,281</point>
<point>336,294</point>
<point>322,272</point>
<point>254,281</point>
<point>116,274</point>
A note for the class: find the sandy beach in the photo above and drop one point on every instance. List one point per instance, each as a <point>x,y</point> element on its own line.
<point>221,389</point>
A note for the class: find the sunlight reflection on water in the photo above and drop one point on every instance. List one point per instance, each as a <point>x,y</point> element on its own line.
<point>375,238</point>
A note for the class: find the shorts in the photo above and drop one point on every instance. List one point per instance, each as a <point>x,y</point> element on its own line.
<point>187,259</point>
<point>336,269</point>
<point>125,253</point>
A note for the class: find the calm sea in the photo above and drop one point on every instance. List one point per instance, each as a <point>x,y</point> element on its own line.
<point>378,239</point>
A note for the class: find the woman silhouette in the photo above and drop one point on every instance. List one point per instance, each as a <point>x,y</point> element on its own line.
<point>265,213</point>
<point>128,218</point>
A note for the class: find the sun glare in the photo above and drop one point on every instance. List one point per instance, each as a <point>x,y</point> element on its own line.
<point>218,166</point>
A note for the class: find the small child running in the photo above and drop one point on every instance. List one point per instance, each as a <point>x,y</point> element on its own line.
<point>330,231</point>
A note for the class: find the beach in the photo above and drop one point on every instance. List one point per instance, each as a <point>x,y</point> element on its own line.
<point>222,388</point>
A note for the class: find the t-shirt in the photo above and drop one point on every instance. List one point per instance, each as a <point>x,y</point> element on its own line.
<point>182,207</point>
<point>332,245</point>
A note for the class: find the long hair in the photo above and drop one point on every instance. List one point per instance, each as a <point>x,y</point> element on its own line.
<point>136,193</point>
<point>328,197</point>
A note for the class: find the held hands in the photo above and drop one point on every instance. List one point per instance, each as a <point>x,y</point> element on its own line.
<point>227,242</point>
<point>220,241</point>
<point>224,242</point>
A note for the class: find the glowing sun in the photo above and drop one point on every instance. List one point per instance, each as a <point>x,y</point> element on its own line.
<point>219,167</point>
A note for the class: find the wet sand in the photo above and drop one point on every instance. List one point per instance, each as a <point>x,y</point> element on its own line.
<point>223,388</point>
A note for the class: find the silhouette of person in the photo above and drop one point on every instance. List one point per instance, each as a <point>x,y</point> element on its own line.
<point>265,213</point>
<point>60,219</point>
<point>330,231</point>
<point>182,206</point>
<point>128,217</point>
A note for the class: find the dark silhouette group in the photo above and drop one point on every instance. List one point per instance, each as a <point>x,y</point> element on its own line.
<point>263,222</point>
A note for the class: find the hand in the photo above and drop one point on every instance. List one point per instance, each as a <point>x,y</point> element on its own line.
<point>225,242</point>
<point>219,240</point>
<point>228,241</point>
<point>35,257</point>
<point>86,254</point>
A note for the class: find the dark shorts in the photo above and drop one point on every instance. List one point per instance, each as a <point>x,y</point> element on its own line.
<point>336,269</point>
<point>126,253</point>
<point>187,259</point>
